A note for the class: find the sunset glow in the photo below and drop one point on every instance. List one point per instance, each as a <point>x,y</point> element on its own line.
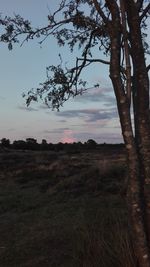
<point>68,137</point>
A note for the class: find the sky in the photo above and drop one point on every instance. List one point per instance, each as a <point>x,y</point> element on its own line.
<point>90,116</point>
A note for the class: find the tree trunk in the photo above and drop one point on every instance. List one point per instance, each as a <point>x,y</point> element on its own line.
<point>135,190</point>
<point>135,193</point>
<point>141,105</point>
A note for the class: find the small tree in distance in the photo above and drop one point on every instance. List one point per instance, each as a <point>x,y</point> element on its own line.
<point>5,142</point>
<point>91,143</point>
<point>117,28</point>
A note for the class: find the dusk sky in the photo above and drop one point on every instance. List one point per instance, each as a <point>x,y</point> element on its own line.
<point>91,116</point>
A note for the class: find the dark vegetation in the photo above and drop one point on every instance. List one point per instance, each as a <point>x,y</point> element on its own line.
<point>64,208</point>
<point>32,144</point>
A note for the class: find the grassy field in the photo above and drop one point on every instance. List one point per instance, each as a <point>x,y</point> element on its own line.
<point>60,209</point>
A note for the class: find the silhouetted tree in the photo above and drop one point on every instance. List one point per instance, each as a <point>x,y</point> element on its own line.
<point>117,28</point>
<point>32,144</point>
<point>19,144</point>
<point>44,142</point>
<point>5,142</point>
<point>44,145</point>
<point>91,143</point>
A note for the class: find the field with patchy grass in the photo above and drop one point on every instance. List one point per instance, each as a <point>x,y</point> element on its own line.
<point>64,209</point>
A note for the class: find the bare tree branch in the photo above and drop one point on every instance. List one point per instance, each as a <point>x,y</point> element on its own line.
<point>145,11</point>
<point>139,4</point>
<point>96,60</point>
<point>100,11</point>
<point>126,52</point>
<point>148,68</point>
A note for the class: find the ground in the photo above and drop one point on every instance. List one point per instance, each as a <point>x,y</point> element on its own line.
<point>64,209</point>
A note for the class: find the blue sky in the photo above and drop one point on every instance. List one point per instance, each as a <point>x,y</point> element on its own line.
<point>92,115</point>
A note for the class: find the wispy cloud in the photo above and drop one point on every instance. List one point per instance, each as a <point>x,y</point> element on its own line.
<point>2,97</point>
<point>90,115</point>
<point>11,129</point>
<point>26,108</point>
<point>56,131</point>
<point>62,121</point>
<point>101,95</point>
<point>43,106</point>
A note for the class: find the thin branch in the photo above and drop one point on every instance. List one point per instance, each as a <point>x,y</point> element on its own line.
<point>148,68</point>
<point>96,60</point>
<point>139,4</point>
<point>126,52</point>
<point>99,10</point>
<point>61,6</point>
<point>147,9</point>
<point>79,69</point>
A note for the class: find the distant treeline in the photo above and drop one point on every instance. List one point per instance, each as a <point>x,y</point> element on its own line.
<point>32,144</point>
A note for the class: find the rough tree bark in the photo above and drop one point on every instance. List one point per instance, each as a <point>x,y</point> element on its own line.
<point>141,106</point>
<point>136,151</point>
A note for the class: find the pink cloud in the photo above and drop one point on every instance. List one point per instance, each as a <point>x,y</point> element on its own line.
<point>68,137</point>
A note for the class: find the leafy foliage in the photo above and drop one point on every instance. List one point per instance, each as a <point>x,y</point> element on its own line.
<point>76,23</point>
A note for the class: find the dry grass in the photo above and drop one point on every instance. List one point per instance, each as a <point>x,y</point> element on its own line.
<point>63,210</point>
<point>105,243</point>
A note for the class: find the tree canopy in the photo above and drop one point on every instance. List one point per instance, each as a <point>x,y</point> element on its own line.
<point>84,24</point>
